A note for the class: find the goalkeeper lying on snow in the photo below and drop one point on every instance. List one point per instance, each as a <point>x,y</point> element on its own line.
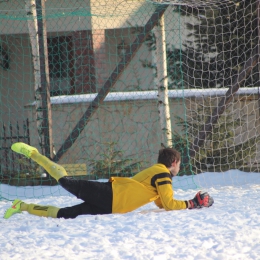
<point>118,195</point>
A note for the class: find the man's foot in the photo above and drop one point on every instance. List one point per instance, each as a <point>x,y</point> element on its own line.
<point>15,208</point>
<point>24,149</point>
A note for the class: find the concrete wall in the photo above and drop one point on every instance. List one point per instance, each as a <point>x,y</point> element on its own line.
<point>17,83</point>
<point>76,15</point>
<point>133,123</point>
<point>109,24</point>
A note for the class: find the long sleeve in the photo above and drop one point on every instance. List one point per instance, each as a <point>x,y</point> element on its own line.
<point>163,184</point>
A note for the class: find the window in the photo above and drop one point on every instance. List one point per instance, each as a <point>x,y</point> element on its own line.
<point>60,57</point>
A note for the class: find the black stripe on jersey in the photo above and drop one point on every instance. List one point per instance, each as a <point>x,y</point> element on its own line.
<point>160,176</point>
<point>164,182</point>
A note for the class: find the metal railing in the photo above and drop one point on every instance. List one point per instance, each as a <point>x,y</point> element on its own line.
<point>9,164</point>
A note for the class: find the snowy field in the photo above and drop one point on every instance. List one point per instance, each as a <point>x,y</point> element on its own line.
<point>230,229</point>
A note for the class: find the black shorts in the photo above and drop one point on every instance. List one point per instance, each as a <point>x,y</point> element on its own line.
<point>97,197</point>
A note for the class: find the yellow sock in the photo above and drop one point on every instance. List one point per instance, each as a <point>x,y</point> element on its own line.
<point>24,206</point>
<point>39,210</point>
<point>54,169</point>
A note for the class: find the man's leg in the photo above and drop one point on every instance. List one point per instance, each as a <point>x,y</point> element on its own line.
<point>54,169</point>
<point>40,210</point>
<point>81,209</point>
<point>96,194</point>
<point>19,206</point>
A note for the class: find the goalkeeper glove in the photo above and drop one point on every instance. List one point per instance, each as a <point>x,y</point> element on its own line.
<point>201,200</point>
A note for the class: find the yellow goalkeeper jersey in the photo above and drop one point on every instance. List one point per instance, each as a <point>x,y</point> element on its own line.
<point>151,184</point>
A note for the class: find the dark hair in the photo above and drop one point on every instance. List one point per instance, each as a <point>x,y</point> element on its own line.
<point>167,156</point>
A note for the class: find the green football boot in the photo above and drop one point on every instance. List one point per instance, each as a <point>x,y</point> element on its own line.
<point>15,208</point>
<point>23,149</point>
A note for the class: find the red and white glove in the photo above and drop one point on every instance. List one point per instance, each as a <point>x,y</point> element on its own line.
<point>201,200</point>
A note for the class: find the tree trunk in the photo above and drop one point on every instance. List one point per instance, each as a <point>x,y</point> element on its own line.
<point>38,38</point>
<point>162,84</point>
<point>30,8</point>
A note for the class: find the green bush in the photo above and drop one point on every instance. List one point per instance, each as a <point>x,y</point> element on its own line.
<point>112,164</point>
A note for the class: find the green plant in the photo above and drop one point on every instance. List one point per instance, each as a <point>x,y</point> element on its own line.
<point>112,164</point>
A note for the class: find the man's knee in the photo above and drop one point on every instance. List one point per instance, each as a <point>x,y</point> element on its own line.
<point>70,185</point>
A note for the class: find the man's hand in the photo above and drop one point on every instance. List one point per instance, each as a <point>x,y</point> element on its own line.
<point>201,200</point>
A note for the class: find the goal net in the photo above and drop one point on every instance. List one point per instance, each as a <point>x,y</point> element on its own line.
<point>100,87</point>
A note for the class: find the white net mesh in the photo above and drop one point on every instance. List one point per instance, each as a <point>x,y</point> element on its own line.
<point>219,58</point>
<point>109,49</point>
<point>193,3</point>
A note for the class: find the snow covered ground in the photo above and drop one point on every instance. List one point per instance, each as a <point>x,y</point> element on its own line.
<point>230,229</point>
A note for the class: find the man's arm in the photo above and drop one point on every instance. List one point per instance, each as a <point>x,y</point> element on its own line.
<point>169,203</point>
<point>163,185</point>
